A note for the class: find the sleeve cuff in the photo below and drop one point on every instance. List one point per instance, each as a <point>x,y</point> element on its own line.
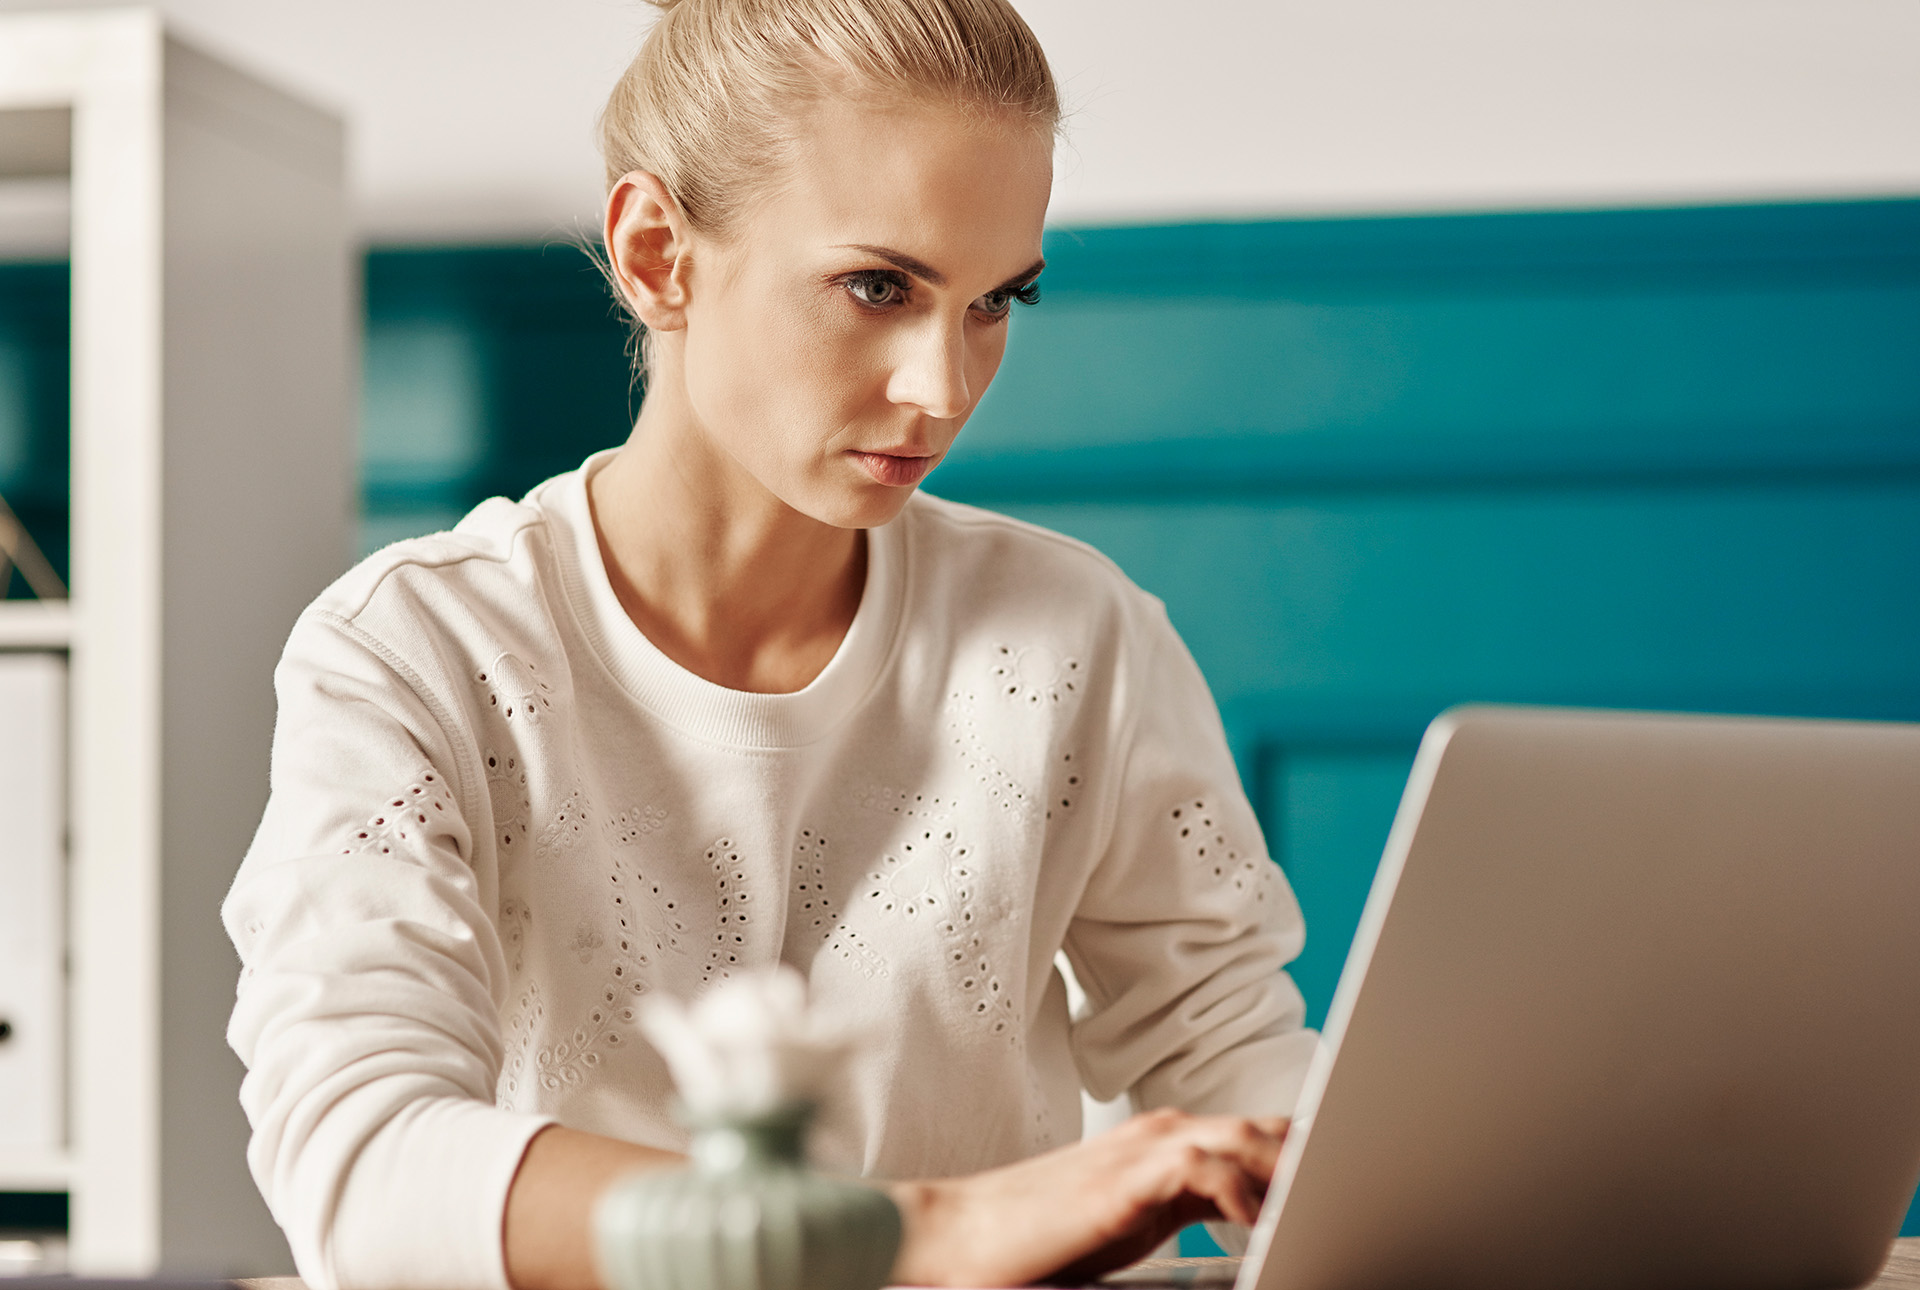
<point>1263,1077</point>
<point>424,1204</point>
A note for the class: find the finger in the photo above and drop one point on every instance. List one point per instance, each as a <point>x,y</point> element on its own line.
<point>1225,1185</point>
<point>1169,1123</point>
<point>1251,1143</point>
<point>1180,1169</point>
<point>1274,1125</point>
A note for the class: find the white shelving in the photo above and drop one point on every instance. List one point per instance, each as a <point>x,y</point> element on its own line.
<point>214,298</point>
<point>35,624</point>
<point>35,1171</point>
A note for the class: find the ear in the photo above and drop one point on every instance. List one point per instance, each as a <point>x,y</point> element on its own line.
<point>647,248</point>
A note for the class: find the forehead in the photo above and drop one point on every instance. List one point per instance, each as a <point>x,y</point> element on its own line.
<point>966,192</point>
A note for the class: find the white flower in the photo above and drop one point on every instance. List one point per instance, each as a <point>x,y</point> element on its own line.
<point>747,1047</point>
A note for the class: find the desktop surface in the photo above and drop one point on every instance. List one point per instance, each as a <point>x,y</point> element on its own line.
<point>1902,1272</point>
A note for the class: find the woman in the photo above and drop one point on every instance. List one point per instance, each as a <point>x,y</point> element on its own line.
<point>734,694</point>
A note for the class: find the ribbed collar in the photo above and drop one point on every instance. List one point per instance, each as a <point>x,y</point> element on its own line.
<point>698,706</point>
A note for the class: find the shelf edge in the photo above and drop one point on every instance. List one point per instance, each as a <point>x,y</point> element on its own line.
<point>35,1170</point>
<point>35,624</point>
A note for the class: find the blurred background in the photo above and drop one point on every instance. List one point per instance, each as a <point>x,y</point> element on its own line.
<point>1414,353</point>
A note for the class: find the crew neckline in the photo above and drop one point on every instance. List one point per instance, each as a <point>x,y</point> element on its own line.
<point>692,703</point>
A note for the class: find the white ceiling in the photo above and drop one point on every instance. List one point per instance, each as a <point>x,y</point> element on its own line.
<point>473,120</point>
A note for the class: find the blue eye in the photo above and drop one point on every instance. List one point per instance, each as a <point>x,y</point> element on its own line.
<point>877,288</point>
<point>997,304</point>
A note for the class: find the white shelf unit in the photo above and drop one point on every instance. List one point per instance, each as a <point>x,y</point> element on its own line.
<point>35,624</point>
<point>36,1171</point>
<point>214,343</point>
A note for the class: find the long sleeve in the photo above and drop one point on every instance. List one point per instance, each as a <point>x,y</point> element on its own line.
<point>1182,935</point>
<point>368,1005</point>
<point>500,817</point>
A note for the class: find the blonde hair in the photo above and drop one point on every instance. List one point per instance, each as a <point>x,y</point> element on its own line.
<point>706,104</point>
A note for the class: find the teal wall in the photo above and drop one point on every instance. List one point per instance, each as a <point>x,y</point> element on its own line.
<point>33,406</point>
<point>486,371</point>
<point>1374,466</point>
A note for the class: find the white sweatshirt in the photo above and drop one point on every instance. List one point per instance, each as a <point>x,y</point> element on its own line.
<point>500,818</point>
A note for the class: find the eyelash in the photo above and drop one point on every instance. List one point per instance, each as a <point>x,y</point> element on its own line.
<point>1027,293</point>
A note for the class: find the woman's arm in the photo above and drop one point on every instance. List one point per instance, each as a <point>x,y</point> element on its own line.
<point>1182,934</point>
<point>368,1007</point>
<point>548,1229</point>
<point>1078,1211</point>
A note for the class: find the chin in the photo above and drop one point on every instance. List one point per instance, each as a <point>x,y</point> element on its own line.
<point>859,508</point>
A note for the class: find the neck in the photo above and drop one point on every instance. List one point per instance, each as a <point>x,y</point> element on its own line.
<point>722,576</point>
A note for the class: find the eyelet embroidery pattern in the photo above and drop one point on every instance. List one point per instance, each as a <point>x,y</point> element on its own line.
<point>730,898</point>
<point>567,1063</point>
<point>668,924</point>
<point>1001,787</point>
<point>568,826</point>
<point>527,1015</point>
<point>880,800</point>
<point>628,962</point>
<point>514,688</point>
<point>635,823</point>
<point>1035,676</point>
<point>812,905</point>
<point>507,790</point>
<point>609,1021</point>
<point>515,918</point>
<point>926,881</point>
<point>938,882</point>
<point>253,929</point>
<point>586,941</point>
<point>1041,1122</point>
<point>1068,789</point>
<point>406,816</point>
<point>1202,843</point>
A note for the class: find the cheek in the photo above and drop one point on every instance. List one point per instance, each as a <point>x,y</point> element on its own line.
<point>983,359</point>
<point>777,373</point>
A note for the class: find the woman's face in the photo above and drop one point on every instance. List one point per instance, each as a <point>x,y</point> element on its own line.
<point>835,345</point>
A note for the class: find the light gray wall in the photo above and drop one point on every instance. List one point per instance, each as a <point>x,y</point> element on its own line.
<point>473,118</point>
<point>1364,105</point>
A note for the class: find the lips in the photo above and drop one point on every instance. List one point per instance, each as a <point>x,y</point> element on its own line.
<point>894,470</point>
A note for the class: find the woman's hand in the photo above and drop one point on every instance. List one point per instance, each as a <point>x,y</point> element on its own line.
<point>1085,1209</point>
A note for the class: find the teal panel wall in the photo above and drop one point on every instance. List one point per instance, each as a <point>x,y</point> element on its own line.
<point>34,393</point>
<point>486,370</point>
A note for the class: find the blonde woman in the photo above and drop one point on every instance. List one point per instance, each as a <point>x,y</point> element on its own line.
<point>735,694</point>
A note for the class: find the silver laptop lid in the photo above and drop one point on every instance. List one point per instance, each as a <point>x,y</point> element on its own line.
<point>1635,1001</point>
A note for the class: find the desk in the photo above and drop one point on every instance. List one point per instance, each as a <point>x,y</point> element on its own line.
<point>1901,1273</point>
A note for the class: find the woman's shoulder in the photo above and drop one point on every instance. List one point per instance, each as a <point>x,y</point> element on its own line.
<point>495,574</point>
<point>483,547</point>
<point>998,562</point>
<point>970,535</point>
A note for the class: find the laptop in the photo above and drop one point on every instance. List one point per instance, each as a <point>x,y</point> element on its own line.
<point>1634,1002</point>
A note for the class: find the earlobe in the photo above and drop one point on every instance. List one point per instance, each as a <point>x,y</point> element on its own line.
<point>647,250</point>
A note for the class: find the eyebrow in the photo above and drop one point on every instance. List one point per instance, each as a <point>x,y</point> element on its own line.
<point>927,273</point>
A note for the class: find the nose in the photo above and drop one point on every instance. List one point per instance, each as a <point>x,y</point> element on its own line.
<point>931,373</point>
